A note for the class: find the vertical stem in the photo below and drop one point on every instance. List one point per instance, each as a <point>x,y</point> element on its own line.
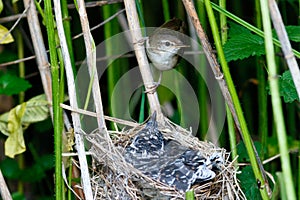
<point>232,136</point>
<point>230,122</point>
<point>67,27</point>
<point>262,95</point>
<point>257,169</point>
<point>223,22</point>
<point>166,9</point>
<point>55,99</point>
<point>276,102</point>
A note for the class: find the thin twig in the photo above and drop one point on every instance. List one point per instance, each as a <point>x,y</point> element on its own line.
<point>12,18</point>
<point>75,37</point>
<point>5,194</point>
<point>17,61</point>
<point>70,6</point>
<point>102,23</point>
<point>93,114</point>
<point>15,24</point>
<point>96,3</point>
<point>128,55</point>
<point>285,44</point>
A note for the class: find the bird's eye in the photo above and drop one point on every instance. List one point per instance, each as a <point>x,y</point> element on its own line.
<point>168,44</point>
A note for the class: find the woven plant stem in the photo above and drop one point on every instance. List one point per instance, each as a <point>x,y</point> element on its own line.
<point>73,101</point>
<point>285,44</point>
<point>140,54</point>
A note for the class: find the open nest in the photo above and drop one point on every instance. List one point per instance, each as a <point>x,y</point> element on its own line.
<point>114,178</point>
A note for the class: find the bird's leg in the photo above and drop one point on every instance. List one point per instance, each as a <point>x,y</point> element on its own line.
<point>159,79</point>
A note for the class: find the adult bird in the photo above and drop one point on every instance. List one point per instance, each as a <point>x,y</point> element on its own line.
<point>165,45</point>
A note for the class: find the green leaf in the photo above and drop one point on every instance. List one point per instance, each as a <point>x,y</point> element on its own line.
<point>33,173</point>
<point>236,29</point>
<point>46,161</point>
<point>242,152</point>
<point>18,196</point>
<point>242,44</point>
<point>10,84</point>
<point>10,168</point>
<point>37,171</point>
<point>287,88</point>
<point>7,55</point>
<point>293,33</point>
<point>249,184</point>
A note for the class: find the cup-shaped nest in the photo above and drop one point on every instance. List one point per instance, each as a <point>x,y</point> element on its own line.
<point>129,167</point>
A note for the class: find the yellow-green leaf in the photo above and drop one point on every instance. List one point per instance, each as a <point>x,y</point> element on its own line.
<point>36,110</point>
<point>5,36</point>
<point>13,123</point>
<point>1,6</point>
<point>14,1</point>
<point>3,123</point>
<point>15,143</point>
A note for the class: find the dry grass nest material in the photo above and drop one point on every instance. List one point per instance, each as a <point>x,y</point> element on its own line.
<point>114,178</point>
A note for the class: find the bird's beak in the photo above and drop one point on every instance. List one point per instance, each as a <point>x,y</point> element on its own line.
<point>183,46</point>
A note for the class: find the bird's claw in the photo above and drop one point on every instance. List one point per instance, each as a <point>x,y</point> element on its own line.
<point>152,88</point>
<point>141,41</point>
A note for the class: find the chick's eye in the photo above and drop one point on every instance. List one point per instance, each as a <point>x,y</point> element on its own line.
<point>167,44</point>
